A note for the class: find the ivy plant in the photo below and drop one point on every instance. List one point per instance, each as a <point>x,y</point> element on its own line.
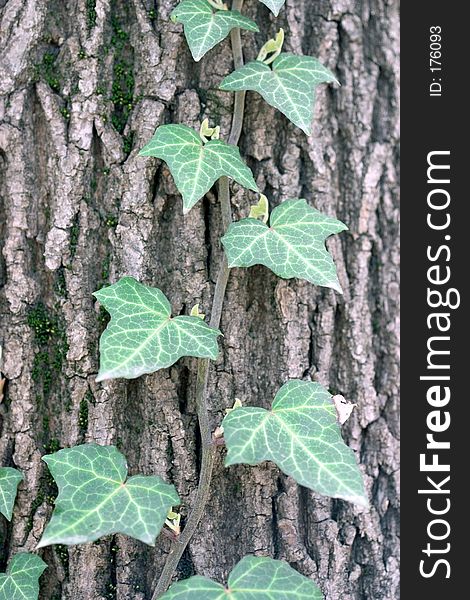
<point>254,578</point>
<point>274,5</point>
<point>207,23</point>
<point>292,245</point>
<point>9,480</point>
<point>197,162</point>
<point>302,436</point>
<point>21,581</point>
<point>286,81</point>
<point>96,498</point>
<point>143,337</point>
<point>300,432</point>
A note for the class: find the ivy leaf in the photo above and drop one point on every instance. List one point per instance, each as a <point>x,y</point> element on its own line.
<point>293,245</point>
<point>21,581</point>
<point>254,578</point>
<point>9,481</point>
<point>274,5</point>
<point>142,337</point>
<point>96,498</point>
<point>196,166</point>
<point>204,28</point>
<point>289,86</point>
<point>302,436</point>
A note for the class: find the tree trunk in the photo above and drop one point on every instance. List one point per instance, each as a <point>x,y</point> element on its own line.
<point>83,85</point>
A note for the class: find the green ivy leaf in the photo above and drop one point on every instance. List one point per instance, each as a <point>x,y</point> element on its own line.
<point>293,245</point>
<point>196,166</point>
<point>274,5</point>
<point>142,337</point>
<point>302,436</point>
<point>289,86</point>
<point>96,498</point>
<point>21,581</point>
<point>204,28</point>
<point>9,481</point>
<point>254,578</point>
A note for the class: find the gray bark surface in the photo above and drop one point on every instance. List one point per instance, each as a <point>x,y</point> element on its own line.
<point>83,84</point>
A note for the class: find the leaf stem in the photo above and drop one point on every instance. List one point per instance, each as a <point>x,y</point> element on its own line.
<point>209,449</point>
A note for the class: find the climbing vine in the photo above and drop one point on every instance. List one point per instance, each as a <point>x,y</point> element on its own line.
<point>300,433</point>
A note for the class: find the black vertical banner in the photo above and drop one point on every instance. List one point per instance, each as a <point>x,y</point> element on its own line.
<point>435,404</point>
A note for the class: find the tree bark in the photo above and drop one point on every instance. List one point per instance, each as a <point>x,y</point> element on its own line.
<point>83,85</point>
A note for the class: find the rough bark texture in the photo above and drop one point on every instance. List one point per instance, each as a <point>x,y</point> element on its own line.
<point>83,84</point>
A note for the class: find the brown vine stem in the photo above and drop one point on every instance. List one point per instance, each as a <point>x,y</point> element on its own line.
<point>209,449</point>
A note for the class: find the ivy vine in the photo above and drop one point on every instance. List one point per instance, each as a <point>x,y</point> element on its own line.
<point>300,433</point>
